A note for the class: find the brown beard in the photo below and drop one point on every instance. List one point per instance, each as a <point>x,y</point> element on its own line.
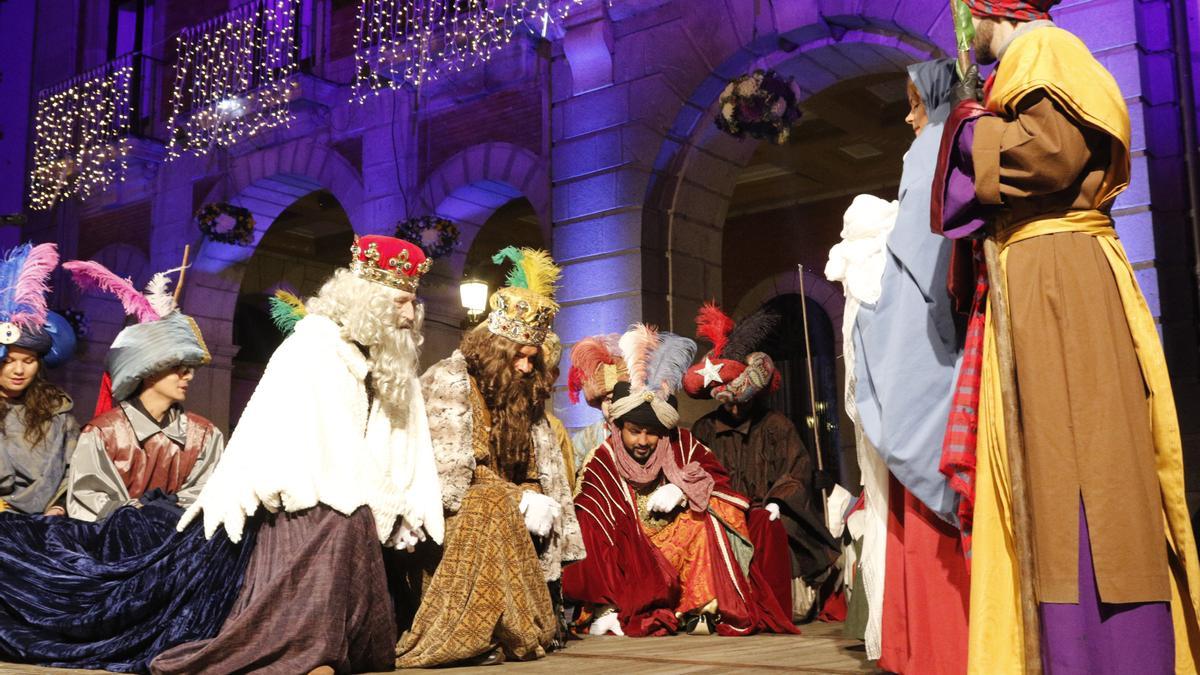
<point>516,401</point>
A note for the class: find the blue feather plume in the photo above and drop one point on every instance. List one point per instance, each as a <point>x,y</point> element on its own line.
<point>670,362</point>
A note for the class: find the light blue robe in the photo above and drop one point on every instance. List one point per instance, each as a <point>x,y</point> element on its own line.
<point>906,346</point>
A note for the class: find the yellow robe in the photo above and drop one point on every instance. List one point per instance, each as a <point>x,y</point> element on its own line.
<point>1058,63</point>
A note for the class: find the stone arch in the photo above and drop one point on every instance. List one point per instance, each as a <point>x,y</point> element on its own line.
<point>816,287</point>
<point>266,182</point>
<point>471,185</point>
<point>467,189</point>
<point>696,168</point>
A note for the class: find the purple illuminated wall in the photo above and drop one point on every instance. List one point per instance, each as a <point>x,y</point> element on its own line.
<point>607,131</point>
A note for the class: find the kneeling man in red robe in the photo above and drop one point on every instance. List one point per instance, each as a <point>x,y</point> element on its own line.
<point>666,535</point>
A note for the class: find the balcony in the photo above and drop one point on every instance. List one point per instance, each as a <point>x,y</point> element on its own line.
<point>85,128</point>
<point>418,41</point>
<point>234,77</point>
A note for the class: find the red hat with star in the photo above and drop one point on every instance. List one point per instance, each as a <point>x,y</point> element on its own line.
<point>389,261</point>
<point>731,370</point>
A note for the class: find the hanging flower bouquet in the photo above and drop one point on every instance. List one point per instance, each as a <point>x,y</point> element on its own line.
<point>761,105</point>
<point>225,223</point>
<point>435,235</point>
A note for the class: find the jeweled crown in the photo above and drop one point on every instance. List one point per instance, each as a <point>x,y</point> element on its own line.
<point>393,262</point>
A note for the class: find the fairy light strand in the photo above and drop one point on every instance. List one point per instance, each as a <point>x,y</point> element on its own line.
<point>81,135</point>
<point>233,77</point>
<point>418,41</point>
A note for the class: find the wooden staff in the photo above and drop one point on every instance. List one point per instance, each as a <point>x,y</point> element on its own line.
<point>1013,439</point>
<point>187,249</point>
<point>812,387</point>
<point>964,33</point>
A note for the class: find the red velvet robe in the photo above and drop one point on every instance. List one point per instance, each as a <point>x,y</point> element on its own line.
<point>625,569</point>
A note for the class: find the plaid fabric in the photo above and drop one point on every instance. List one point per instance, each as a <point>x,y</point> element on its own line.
<point>1017,10</point>
<point>958,447</point>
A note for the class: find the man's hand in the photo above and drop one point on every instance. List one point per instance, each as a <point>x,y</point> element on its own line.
<point>773,511</point>
<point>55,511</point>
<point>407,537</point>
<point>968,88</point>
<point>609,623</point>
<point>665,499</point>
<point>541,512</point>
<point>822,481</point>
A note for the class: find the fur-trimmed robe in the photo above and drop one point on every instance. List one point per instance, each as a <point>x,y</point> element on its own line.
<point>447,389</point>
<point>310,435</point>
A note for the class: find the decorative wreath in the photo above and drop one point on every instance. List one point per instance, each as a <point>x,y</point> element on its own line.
<point>225,223</point>
<point>761,105</point>
<point>436,236</point>
<point>78,321</point>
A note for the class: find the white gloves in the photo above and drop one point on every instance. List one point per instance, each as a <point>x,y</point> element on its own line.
<point>406,537</point>
<point>609,623</point>
<point>773,511</point>
<point>665,498</point>
<point>541,512</point>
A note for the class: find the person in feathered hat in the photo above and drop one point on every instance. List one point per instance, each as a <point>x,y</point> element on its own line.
<point>158,586</point>
<point>504,484</point>
<point>1037,167</point>
<point>683,555</point>
<point>334,446</point>
<point>38,433</point>
<point>766,459</point>
<point>146,443</point>
<point>596,368</point>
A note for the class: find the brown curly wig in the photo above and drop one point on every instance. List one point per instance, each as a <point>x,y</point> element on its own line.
<point>515,400</point>
<point>42,400</point>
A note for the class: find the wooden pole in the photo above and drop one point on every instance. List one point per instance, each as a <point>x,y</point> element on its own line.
<point>1022,519</point>
<point>812,387</point>
<point>187,249</point>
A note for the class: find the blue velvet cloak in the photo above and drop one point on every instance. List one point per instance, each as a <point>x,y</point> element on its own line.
<point>906,344</point>
<point>112,595</point>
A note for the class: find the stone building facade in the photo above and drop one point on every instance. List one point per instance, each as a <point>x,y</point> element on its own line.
<point>602,131</point>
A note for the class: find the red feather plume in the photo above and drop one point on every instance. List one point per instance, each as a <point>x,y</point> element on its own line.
<point>714,325</point>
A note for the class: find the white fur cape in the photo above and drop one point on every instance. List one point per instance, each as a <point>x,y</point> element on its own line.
<point>306,437</point>
<point>447,390</point>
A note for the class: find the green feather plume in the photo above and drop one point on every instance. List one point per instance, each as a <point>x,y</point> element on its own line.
<point>286,310</point>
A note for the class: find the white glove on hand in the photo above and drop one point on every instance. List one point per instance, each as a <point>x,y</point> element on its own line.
<point>772,509</point>
<point>407,537</point>
<point>541,512</point>
<point>665,498</point>
<point>609,623</point>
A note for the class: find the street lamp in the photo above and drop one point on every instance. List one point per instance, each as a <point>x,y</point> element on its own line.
<point>474,296</point>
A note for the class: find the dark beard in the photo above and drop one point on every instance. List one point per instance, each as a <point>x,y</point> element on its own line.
<point>513,426</point>
<point>982,44</point>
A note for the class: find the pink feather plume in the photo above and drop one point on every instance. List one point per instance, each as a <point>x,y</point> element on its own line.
<point>637,346</point>
<point>31,286</point>
<point>90,275</point>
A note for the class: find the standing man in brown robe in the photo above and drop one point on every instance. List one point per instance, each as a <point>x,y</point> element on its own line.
<point>763,452</point>
<point>1038,167</point>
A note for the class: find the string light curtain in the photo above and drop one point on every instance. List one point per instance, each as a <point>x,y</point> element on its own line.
<point>416,41</point>
<point>233,77</point>
<point>80,135</point>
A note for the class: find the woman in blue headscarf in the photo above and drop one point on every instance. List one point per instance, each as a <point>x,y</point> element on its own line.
<point>906,347</point>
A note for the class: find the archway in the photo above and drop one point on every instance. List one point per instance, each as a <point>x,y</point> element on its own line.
<point>734,217</point>
<point>305,244</point>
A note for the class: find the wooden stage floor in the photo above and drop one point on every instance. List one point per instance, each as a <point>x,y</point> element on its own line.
<point>821,649</point>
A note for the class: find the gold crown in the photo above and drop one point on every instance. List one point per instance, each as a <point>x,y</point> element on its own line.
<point>397,271</point>
<point>521,315</point>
